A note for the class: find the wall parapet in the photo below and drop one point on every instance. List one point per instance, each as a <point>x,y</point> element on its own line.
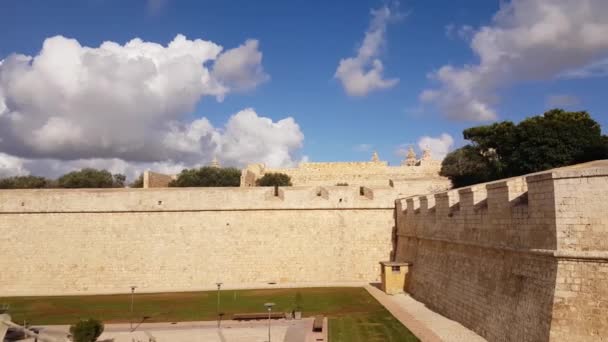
<point>528,212</point>
<point>193,199</point>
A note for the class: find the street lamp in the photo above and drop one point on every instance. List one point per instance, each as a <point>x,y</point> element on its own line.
<point>131,318</point>
<point>269,307</point>
<point>219,284</point>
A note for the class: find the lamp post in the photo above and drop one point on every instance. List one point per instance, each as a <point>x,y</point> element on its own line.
<point>219,284</point>
<point>269,307</point>
<point>131,318</point>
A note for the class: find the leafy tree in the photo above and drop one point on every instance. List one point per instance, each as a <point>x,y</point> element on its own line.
<point>556,138</point>
<point>86,330</point>
<point>466,166</point>
<point>91,178</point>
<point>119,180</point>
<point>274,179</point>
<point>208,176</point>
<point>24,182</point>
<point>138,183</point>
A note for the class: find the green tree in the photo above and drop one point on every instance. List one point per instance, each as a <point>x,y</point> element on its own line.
<point>274,179</point>
<point>86,330</point>
<point>208,176</point>
<point>556,138</point>
<point>466,166</point>
<point>90,178</point>
<point>24,182</point>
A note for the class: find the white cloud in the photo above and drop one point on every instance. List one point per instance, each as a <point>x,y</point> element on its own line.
<point>246,138</point>
<point>128,107</point>
<point>363,148</point>
<point>527,40</point>
<point>562,101</point>
<point>241,68</point>
<point>363,73</point>
<point>595,69</point>
<point>464,32</point>
<point>11,166</point>
<point>440,146</point>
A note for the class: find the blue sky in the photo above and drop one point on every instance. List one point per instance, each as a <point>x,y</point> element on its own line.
<point>302,44</point>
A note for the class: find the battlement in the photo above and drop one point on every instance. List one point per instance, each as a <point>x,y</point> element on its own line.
<point>194,199</point>
<point>521,213</point>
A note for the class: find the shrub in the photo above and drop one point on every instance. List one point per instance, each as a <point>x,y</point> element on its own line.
<point>86,330</point>
<point>274,179</point>
<point>208,176</point>
<point>24,182</point>
<point>91,178</point>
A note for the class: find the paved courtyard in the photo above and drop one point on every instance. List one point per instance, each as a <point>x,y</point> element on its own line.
<point>230,331</point>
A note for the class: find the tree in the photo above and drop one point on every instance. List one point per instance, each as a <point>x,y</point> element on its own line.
<point>466,166</point>
<point>91,178</point>
<point>556,138</point>
<point>138,183</point>
<point>24,182</point>
<point>274,179</point>
<point>208,176</point>
<point>86,330</point>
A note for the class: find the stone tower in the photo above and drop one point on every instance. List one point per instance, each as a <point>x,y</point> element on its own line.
<point>426,154</point>
<point>214,162</point>
<point>375,157</point>
<point>410,160</point>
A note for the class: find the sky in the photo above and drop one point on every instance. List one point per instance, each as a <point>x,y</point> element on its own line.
<point>171,84</point>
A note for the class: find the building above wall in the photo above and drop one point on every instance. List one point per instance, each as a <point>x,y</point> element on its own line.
<point>372,173</point>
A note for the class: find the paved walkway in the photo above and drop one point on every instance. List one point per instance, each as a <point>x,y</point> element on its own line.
<point>232,331</point>
<point>427,325</point>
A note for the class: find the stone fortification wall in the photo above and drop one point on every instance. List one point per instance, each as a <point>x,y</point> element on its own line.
<point>62,241</point>
<point>157,180</point>
<point>525,259</point>
<point>424,175</point>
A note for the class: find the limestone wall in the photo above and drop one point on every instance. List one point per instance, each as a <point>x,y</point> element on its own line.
<point>157,180</point>
<point>525,259</point>
<point>55,242</point>
<point>424,175</point>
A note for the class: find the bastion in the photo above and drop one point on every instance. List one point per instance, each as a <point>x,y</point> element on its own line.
<point>522,259</point>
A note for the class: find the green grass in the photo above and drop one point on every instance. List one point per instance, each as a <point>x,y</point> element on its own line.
<point>354,315</point>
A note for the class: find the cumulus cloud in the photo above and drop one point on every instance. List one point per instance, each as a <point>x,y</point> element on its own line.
<point>11,166</point>
<point>440,146</point>
<point>241,68</point>
<point>562,101</point>
<point>527,40</point>
<point>595,69</point>
<point>127,107</point>
<point>245,138</point>
<point>363,73</point>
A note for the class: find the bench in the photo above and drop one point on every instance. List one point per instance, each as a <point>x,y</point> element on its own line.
<point>317,325</point>
<point>257,316</point>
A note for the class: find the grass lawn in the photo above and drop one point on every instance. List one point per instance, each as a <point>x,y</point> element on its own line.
<point>354,315</point>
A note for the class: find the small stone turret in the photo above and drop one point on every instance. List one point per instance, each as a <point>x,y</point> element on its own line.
<point>426,154</point>
<point>214,162</point>
<point>375,157</point>
<point>410,160</point>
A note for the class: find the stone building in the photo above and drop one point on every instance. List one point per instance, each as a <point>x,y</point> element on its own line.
<point>413,176</point>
